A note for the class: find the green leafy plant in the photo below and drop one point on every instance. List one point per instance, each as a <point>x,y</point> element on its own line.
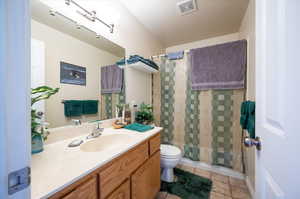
<point>38,94</point>
<point>120,108</point>
<point>145,114</point>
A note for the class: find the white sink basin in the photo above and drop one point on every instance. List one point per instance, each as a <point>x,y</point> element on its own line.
<point>105,142</point>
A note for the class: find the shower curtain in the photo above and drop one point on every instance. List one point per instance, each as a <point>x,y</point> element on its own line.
<point>109,102</point>
<point>204,124</point>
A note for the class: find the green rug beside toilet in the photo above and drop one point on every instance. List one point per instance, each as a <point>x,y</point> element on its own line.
<point>188,186</point>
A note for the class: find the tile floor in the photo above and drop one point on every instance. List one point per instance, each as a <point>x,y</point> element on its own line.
<point>224,187</point>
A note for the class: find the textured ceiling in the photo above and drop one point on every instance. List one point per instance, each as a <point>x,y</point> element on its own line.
<point>213,18</point>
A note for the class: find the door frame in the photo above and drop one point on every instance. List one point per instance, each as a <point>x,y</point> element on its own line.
<point>15,136</point>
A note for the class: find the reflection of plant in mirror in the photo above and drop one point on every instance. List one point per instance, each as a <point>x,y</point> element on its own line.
<point>144,115</point>
<point>120,108</point>
<point>38,94</point>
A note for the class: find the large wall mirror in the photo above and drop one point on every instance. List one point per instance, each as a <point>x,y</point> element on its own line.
<point>70,57</point>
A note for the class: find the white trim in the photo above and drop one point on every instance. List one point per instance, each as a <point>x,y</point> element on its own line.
<point>15,139</point>
<point>212,168</point>
<point>250,187</point>
<point>3,137</point>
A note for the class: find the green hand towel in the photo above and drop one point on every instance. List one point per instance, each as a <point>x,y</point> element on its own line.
<point>244,114</point>
<point>138,127</point>
<point>73,108</point>
<point>90,106</point>
<point>247,119</point>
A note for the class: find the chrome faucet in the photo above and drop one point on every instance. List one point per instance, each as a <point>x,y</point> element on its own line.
<point>76,122</point>
<point>96,132</point>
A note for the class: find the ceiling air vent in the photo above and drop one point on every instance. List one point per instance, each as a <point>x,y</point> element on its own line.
<point>187,6</point>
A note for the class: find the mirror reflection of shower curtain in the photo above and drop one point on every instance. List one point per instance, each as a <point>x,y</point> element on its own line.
<point>109,101</point>
<point>204,124</point>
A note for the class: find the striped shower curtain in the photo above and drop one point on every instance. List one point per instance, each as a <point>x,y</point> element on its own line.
<point>204,124</point>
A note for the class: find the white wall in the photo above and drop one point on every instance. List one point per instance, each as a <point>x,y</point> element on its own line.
<point>138,86</point>
<point>38,70</point>
<point>131,34</point>
<point>203,43</point>
<point>62,47</point>
<point>247,31</point>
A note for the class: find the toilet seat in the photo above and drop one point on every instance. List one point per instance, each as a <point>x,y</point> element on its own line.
<point>169,151</point>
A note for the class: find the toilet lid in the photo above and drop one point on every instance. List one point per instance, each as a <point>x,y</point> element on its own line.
<point>169,151</point>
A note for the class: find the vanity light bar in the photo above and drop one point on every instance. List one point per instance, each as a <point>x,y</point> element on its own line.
<point>91,18</point>
<point>52,12</point>
<point>90,15</point>
<point>78,26</point>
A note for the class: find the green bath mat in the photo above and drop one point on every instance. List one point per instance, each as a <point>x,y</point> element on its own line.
<point>188,186</point>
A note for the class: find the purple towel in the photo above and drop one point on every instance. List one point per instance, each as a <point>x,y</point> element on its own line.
<point>111,79</point>
<point>219,67</point>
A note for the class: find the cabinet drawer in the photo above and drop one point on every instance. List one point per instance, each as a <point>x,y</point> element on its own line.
<point>154,144</point>
<point>87,190</point>
<point>122,192</point>
<point>145,182</point>
<point>118,170</point>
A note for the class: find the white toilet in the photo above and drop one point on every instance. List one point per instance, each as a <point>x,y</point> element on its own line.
<point>169,158</point>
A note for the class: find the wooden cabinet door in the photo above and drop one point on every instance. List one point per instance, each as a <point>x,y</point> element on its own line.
<point>87,190</point>
<point>118,170</point>
<point>123,192</point>
<point>71,195</point>
<point>145,182</point>
<point>154,144</point>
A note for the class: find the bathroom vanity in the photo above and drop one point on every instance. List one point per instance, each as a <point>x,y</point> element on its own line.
<point>127,166</point>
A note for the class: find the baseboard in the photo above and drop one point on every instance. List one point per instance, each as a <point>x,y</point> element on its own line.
<point>213,168</point>
<point>250,187</point>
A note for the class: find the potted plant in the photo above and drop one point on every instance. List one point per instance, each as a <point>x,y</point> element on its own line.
<point>38,131</point>
<point>144,115</point>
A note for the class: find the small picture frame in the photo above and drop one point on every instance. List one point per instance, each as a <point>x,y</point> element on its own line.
<point>72,74</point>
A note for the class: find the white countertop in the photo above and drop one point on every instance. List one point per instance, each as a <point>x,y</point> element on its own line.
<point>59,166</point>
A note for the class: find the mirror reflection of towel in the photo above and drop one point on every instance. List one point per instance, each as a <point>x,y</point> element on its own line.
<point>90,106</point>
<point>111,79</point>
<point>73,108</point>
